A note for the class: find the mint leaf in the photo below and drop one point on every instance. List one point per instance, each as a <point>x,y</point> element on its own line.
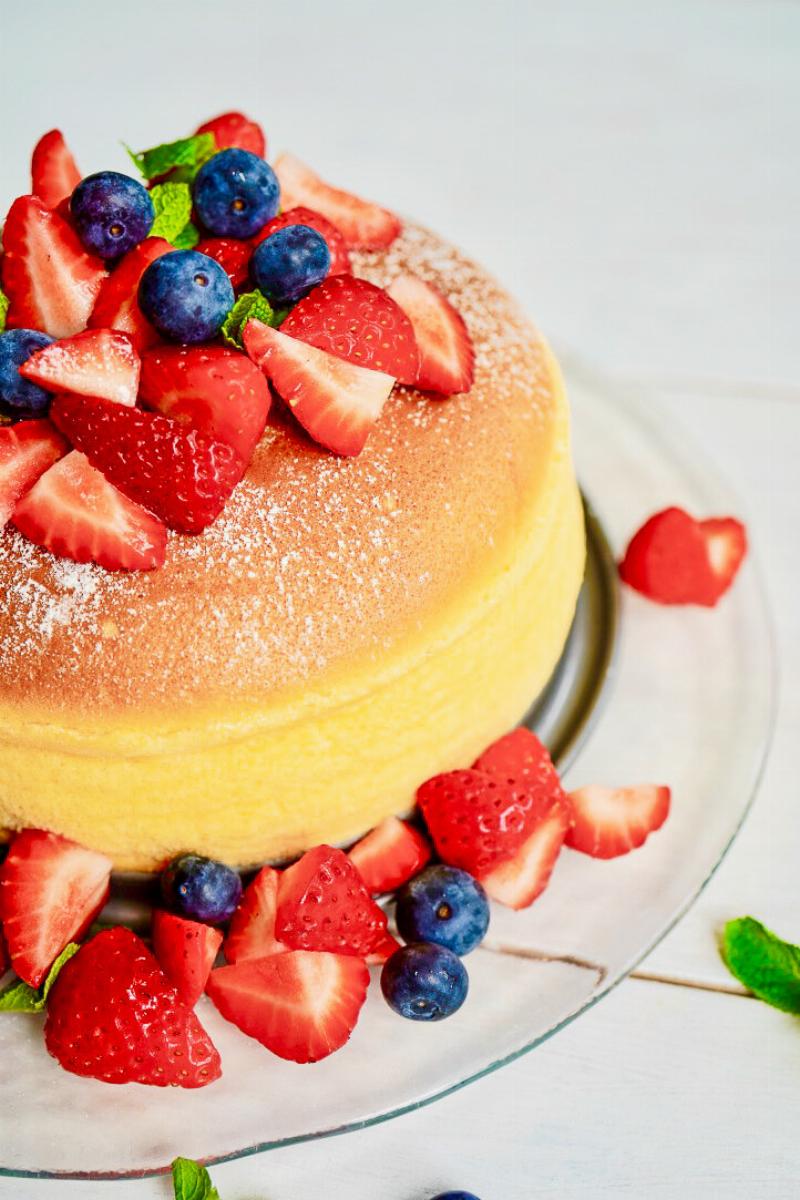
<point>191,1181</point>
<point>3,309</point>
<point>188,154</point>
<point>188,237</point>
<point>173,205</point>
<point>765,964</point>
<point>21,997</point>
<point>252,305</point>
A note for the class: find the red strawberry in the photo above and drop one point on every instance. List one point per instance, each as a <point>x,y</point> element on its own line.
<point>186,951</point>
<point>97,362</point>
<point>4,964</point>
<point>217,391</point>
<point>252,928</point>
<point>183,476</point>
<point>362,224</point>
<point>232,255</point>
<point>336,402</point>
<point>390,855</point>
<point>608,822</point>
<point>358,322</point>
<point>235,129</point>
<point>675,559</point>
<point>340,258</point>
<point>74,512</point>
<point>27,449</point>
<point>382,952</point>
<point>517,882</point>
<point>113,1015</point>
<point>54,175</point>
<point>50,892</point>
<point>117,303</point>
<point>300,1005</point>
<point>324,905</point>
<point>50,280</point>
<point>520,758</point>
<point>447,356</point>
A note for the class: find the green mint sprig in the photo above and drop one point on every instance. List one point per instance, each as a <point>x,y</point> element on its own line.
<point>191,1181</point>
<point>250,306</point>
<point>3,309</point>
<point>763,962</point>
<point>173,207</point>
<point>21,997</point>
<point>186,155</point>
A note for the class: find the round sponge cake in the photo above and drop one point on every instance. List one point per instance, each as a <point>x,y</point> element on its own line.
<point>347,628</point>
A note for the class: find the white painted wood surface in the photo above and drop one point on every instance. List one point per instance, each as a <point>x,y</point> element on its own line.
<point>630,169</point>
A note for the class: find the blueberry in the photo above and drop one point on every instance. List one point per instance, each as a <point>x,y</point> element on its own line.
<point>236,193</point>
<point>424,982</point>
<point>186,295</point>
<point>443,905</point>
<point>19,397</point>
<point>289,263</point>
<point>112,213</point>
<point>456,1196</point>
<point>201,889</point>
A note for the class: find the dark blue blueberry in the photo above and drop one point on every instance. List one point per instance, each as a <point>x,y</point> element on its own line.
<point>235,194</point>
<point>201,889</point>
<point>112,213</point>
<point>19,397</point>
<point>443,905</point>
<point>424,982</point>
<point>289,263</point>
<point>456,1196</point>
<point>186,295</point>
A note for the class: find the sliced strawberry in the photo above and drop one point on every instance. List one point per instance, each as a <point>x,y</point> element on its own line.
<point>186,951</point>
<point>74,512</point>
<point>382,952</point>
<point>726,547</point>
<point>336,402</point>
<point>358,322</point>
<point>252,928</point>
<point>117,303</point>
<point>675,559</point>
<point>183,476</point>
<point>362,224</point>
<point>324,905</point>
<point>54,175</point>
<point>390,855</point>
<point>217,391</point>
<point>27,449</point>
<point>51,890</point>
<point>231,254</point>
<point>519,881</point>
<point>300,1005</point>
<point>235,129</point>
<point>520,758</point>
<point>608,822</point>
<point>340,258</point>
<point>112,1014</point>
<point>447,356</point>
<point>4,963</point>
<point>97,362</point>
<point>50,280</point>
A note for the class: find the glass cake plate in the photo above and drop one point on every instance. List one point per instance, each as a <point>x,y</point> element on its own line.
<point>642,693</point>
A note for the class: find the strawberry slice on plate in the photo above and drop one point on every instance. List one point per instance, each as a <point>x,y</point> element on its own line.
<point>447,356</point>
<point>73,511</point>
<point>231,254</point>
<point>27,449</point>
<point>389,855</point>
<point>608,822</point>
<point>301,1005</point>
<point>97,362</point>
<point>363,225</point>
<point>323,904</point>
<point>54,173</point>
<point>676,559</point>
<point>521,879</point>
<point>252,928</point>
<point>51,889</point>
<point>358,322</point>
<point>50,280</point>
<point>340,258</point>
<point>235,129</point>
<point>185,951</point>
<point>117,303</point>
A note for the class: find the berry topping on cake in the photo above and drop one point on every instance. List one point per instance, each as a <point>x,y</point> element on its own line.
<point>443,905</point>
<point>237,130</point>
<point>114,1015</point>
<point>97,362</point>
<point>117,303</point>
<point>50,892</point>
<point>336,402</point>
<point>288,263</point>
<point>252,929</point>
<point>111,213</point>
<point>363,225</point>
<point>54,175</point>
<point>201,889</point>
<point>676,559</point>
<point>424,982</point>
<point>185,951</point>
<point>27,449</point>
<point>447,356</point>
<point>608,821</point>
<point>324,905</point>
<point>186,295</point>
<point>233,256</point>
<point>19,397</point>
<point>389,855</point>
<point>340,258</point>
<point>235,193</point>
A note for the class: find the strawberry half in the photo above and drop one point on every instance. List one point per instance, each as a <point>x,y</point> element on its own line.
<point>300,1005</point>
<point>51,890</point>
<point>54,174</point>
<point>521,759</point>
<point>252,929</point>
<point>518,882</point>
<point>117,303</point>
<point>186,951</point>
<point>324,905</point>
<point>50,280</point>
<point>74,512</point>
<point>340,258</point>
<point>232,255</point>
<point>363,225</point>
<point>97,362</point>
<point>112,1014</point>
<point>389,855</point>
<point>447,356</point>
<point>608,822</point>
<point>235,129</point>
<point>336,402</point>
<point>675,559</point>
<point>183,476</point>
<point>359,322</point>
<point>27,449</point>
<point>217,391</point>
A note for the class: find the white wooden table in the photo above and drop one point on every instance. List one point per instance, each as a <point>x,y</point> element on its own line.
<point>630,169</point>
